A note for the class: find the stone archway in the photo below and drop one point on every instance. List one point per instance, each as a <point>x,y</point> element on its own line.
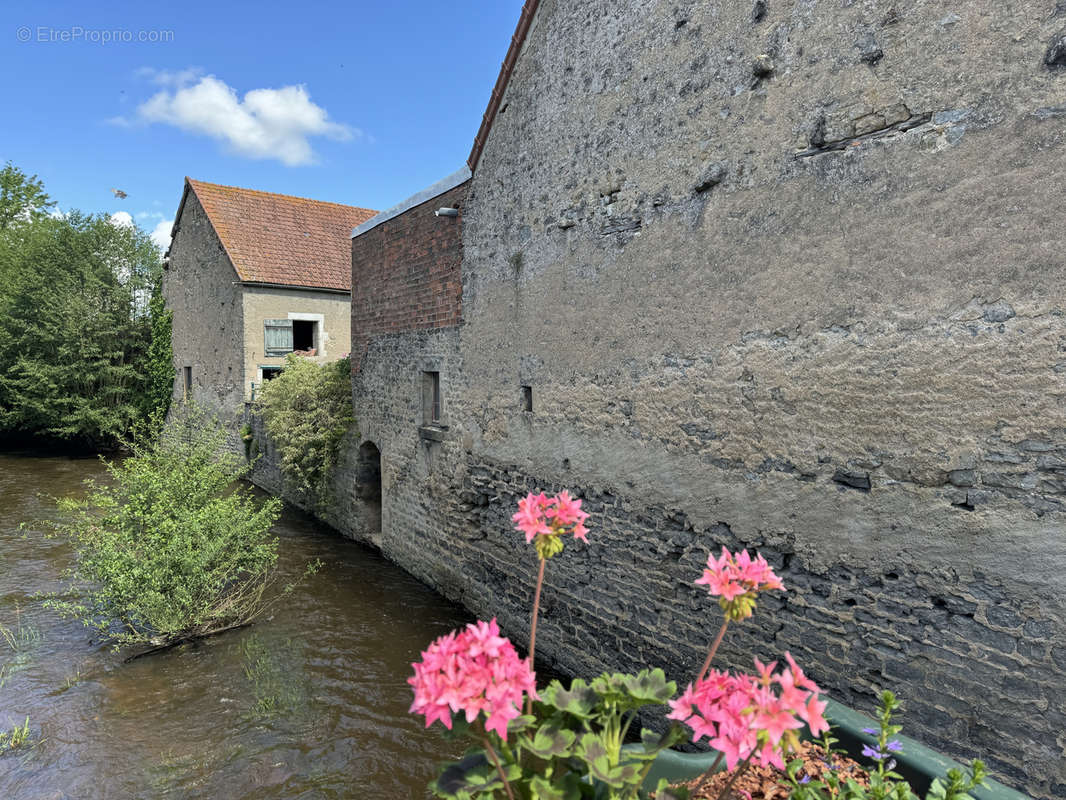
<point>368,491</point>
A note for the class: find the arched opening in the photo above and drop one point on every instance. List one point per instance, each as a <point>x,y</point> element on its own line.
<point>368,489</point>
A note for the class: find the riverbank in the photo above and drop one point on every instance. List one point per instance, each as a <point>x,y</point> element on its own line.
<point>308,702</point>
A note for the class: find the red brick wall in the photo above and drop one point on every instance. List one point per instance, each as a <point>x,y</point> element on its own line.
<point>406,273</point>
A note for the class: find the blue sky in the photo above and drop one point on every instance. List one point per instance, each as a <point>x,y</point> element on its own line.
<point>359,103</point>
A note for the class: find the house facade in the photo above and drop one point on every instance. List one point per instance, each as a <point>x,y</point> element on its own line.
<point>784,276</point>
<point>250,277</point>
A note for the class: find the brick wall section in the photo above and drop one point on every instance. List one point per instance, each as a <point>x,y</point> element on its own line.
<point>406,273</point>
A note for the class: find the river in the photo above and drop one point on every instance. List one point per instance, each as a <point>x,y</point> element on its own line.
<point>310,702</point>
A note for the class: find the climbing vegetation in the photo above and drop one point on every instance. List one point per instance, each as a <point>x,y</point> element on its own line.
<point>307,410</point>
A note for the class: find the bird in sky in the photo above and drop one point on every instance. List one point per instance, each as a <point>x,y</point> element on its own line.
<point>121,195</point>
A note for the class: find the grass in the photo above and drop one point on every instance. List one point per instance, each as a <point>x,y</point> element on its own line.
<point>16,737</point>
<point>278,685</point>
<point>21,641</point>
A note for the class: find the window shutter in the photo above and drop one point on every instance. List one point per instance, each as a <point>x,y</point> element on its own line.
<point>278,333</point>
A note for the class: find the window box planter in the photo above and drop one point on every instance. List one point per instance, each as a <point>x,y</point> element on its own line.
<point>917,763</point>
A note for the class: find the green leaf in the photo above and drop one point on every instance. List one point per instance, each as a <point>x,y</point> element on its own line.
<point>550,741</point>
<point>579,700</point>
<point>566,787</point>
<point>472,775</point>
<point>650,686</point>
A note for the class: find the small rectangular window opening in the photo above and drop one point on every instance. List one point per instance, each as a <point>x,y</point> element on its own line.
<point>430,398</point>
<point>303,336</point>
<point>527,398</point>
<point>186,383</point>
<point>269,373</point>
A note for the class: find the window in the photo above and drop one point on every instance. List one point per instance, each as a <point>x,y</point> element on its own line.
<point>527,398</point>
<point>430,398</point>
<point>186,374</point>
<point>303,335</point>
<point>284,336</point>
<point>278,335</point>
<point>269,373</point>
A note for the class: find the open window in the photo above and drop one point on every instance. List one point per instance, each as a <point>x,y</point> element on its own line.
<point>284,336</point>
<point>303,335</point>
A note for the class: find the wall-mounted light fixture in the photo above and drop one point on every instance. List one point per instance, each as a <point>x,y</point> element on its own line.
<point>446,212</point>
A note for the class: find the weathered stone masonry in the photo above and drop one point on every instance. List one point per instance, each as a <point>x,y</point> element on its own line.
<point>790,280</point>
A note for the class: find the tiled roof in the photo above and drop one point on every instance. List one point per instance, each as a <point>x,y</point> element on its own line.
<point>280,239</point>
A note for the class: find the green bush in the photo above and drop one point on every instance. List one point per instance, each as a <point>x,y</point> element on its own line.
<point>307,410</point>
<point>171,547</point>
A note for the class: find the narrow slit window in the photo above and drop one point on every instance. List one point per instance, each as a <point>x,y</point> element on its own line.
<point>527,398</point>
<point>186,380</point>
<point>430,398</point>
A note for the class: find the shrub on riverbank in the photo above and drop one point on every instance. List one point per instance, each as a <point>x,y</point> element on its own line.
<point>171,547</point>
<point>307,410</point>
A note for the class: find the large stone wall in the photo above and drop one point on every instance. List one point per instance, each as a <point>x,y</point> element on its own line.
<point>199,287</point>
<point>789,280</point>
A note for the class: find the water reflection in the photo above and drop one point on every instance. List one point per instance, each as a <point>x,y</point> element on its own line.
<point>308,703</point>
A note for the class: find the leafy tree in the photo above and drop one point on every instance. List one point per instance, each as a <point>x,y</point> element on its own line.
<point>74,327</point>
<point>171,547</point>
<point>307,410</point>
<point>159,366</point>
<point>22,197</point>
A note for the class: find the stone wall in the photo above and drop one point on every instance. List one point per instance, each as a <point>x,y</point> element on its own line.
<point>199,287</point>
<point>785,276</point>
<point>789,279</point>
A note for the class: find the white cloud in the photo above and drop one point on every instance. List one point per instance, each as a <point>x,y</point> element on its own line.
<point>164,77</point>
<point>122,219</point>
<point>161,234</point>
<point>266,123</point>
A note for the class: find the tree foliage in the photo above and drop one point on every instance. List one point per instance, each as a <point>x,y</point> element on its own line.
<point>75,328</point>
<point>171,546</point>
<point>22,197</point>
<point>159,363</point>
<point>307,410</point>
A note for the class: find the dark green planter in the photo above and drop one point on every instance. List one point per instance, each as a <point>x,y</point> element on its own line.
<point>917,763</point>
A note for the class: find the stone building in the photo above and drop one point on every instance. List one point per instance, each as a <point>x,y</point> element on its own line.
<point>250,277</point>
<point>779,275</point>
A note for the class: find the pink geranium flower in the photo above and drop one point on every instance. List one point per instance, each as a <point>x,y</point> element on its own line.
<point>751,715</point>
<point>540,515</point>
<point>736,580</point>
<point>474,671</point>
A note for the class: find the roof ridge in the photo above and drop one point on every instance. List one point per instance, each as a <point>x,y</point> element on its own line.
<point>194,182</point>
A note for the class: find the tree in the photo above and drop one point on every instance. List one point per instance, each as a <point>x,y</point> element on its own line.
<point>74,327</point>
<point>171,547</point>
<point>22,197</point>
<point>159,366</point>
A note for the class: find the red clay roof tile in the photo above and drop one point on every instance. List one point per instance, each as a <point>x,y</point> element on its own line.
<point>277,238</point>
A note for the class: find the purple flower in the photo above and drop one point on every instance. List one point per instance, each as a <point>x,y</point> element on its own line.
<point>805,779</point>
<point>872,752</point>
<point>895,746</point>
<point>871,731</point>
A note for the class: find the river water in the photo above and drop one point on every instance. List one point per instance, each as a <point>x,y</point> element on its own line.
<point>310,702</point>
